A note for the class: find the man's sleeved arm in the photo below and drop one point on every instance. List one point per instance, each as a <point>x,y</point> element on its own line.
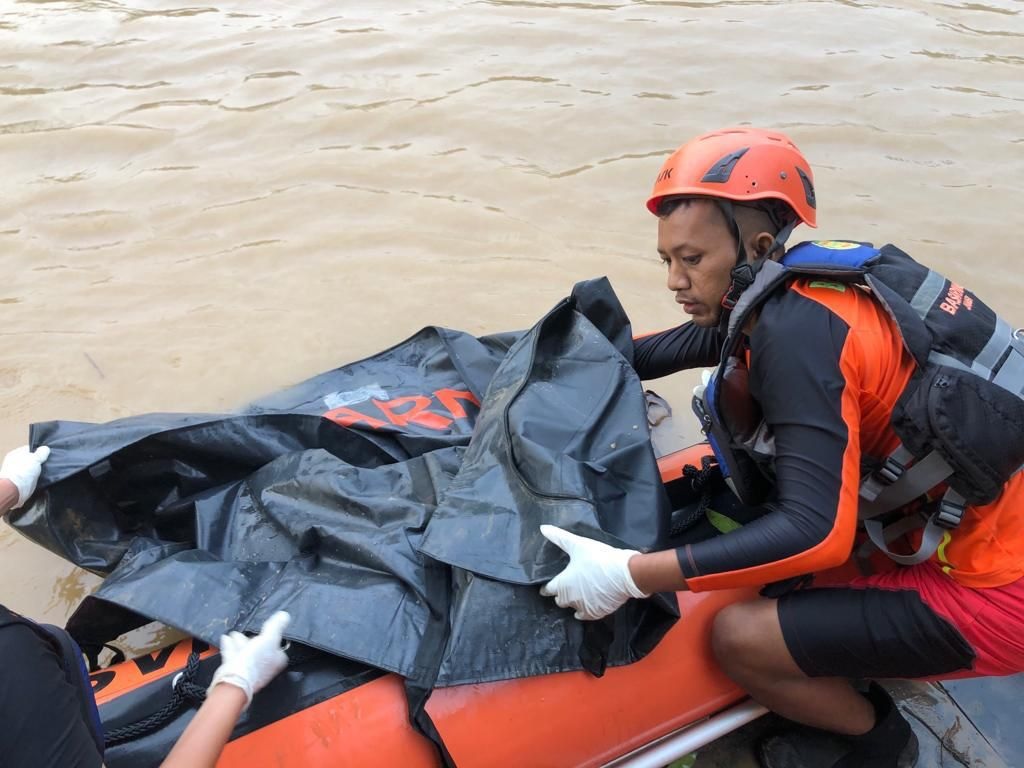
<point>677,349</point>
<point>801,371</point>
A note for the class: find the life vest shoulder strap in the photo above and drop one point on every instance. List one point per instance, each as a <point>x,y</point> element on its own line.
<point>837,260</point>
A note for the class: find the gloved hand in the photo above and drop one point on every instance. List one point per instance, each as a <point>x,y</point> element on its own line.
<point>705,377</point>
<point>250,663</point>
<point>22,467</point>
<point>596,581</point>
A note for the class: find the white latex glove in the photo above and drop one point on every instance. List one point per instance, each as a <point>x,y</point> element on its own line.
<point>22,467</point>
<point>596,581</point>
<point>250,663</point>
<point>705,377</point>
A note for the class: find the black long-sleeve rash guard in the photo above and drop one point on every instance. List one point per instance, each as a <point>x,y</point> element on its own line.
<point>796,376</point>
<point>677,349</point>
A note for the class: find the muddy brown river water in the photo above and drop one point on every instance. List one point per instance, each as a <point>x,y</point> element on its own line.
<point>203,203</point>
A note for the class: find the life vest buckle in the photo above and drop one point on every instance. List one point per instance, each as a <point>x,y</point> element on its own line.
<point>742,278</point>
<point>890,471</point>
<point>702,415</point>
<point>949,514</point>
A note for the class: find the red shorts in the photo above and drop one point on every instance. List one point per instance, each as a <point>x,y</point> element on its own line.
<point>991,620</point>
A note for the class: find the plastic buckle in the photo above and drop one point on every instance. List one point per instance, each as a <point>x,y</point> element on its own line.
<point>1017,340</point>
<point>890,471</point>
<point>702,415</point>
<point>731,297</point>
<point>949,514</point>
<point>742,278</point>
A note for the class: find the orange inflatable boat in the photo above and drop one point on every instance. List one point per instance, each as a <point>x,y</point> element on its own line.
<point>324,711</point>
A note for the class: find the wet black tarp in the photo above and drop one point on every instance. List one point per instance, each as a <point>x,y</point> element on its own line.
<point>392,506</point>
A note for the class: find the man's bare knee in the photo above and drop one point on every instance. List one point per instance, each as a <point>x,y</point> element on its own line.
<point>735,632</point>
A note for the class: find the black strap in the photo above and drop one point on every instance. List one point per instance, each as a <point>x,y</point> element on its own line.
<point>596,644</point>
<point>429,656</point>
<point>92,655</point>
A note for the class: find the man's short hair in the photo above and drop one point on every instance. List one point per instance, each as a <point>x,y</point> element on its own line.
<point>778,212</point>
<point>668,205</point>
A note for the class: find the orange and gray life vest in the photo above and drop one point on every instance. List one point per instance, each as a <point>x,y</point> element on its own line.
<point>960,417</point>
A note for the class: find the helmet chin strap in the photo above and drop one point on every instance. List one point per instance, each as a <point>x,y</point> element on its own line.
<point>746,269</point>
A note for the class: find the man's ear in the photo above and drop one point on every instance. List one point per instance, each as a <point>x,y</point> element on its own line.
<point>761,245</point>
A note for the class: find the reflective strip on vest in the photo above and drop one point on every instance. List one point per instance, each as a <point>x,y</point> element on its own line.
<point>994,350</point>
<point>928,293</point>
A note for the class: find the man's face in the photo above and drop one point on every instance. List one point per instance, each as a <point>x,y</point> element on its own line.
<point>697,247</point>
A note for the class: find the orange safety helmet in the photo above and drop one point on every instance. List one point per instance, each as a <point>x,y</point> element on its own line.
<point>739,164</point>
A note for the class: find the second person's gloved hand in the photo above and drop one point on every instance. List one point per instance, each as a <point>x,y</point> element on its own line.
<point>23,467</point>
<point>597,580</point>
<point>250,663</point>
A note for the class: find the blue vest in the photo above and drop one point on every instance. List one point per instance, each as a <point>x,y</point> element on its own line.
<point>960,418</point>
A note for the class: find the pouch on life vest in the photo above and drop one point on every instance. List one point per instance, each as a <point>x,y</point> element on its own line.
<point>960,418</point>
<point>731,420</point>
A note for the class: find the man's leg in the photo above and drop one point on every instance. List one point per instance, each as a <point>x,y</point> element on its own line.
<point>796,655</point>
<point>748,644</point>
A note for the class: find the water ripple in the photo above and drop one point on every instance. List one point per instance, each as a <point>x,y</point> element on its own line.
<point>988,58</point>
<point>270,75</point>
<point>37,91</point>
<point>171,13</point>
<point>169,103</point>
<point>963,28</point>
<point>489,81</point>
<point>538,4</point>
<point>980,7</point>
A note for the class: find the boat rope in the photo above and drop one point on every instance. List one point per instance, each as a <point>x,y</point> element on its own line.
<point>183,691</point>
<point>700,482</point>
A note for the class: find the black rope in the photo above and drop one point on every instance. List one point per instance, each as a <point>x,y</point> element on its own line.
<point>183,691</point>
<point>700,482</point>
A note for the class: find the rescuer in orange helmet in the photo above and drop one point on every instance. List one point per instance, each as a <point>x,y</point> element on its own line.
<point>844,390</point>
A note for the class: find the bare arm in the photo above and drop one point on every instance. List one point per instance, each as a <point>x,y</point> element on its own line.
<point>657,572</point>
<point>247,665</point>
<point>8,495</point>
<point>204,738</point>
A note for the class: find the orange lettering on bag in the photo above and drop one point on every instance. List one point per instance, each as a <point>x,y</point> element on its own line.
<point>449,398</point>
<point>417,414</point>
<point>347,417</point>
